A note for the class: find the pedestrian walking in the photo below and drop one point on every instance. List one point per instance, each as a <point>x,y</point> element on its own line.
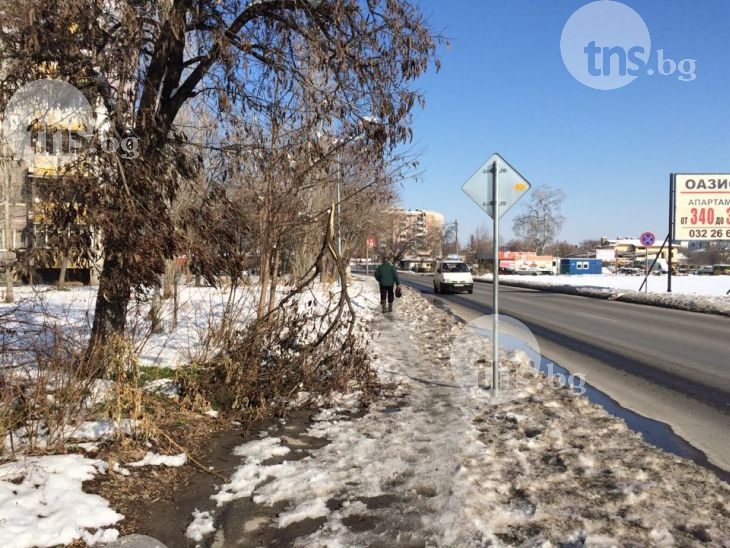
<point>387,277</point>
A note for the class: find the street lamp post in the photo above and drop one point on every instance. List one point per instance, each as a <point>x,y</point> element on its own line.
<point>338,142</point>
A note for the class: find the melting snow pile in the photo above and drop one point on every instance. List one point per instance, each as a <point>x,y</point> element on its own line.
<point>42,503</point>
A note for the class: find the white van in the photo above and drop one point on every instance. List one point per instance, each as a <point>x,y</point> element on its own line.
<point>452,275</point>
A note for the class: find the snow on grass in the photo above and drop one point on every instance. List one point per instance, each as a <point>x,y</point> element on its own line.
<point>71,312</point>
<point>39,314</point>
<point>99,430</point>
<point>83,435</point>
<point>717,286</point>
<point>26,322</point>
<point>199,310</point>
<point>42,502</point>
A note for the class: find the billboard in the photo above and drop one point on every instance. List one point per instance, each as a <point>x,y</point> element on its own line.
<point>525,262</point>
<point>701,206</point>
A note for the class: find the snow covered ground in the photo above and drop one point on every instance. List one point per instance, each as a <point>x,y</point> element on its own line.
<point>72,313</point>
<point>428,465</point>
<point>42,501</point>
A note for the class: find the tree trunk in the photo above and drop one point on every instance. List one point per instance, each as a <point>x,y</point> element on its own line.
<point>168,281</point>
<point>9,297</point>
<point>174,299</point>
<point>274,279</point>
<point>155,315</point>
<point>62,272</point>
<point>8,230</point>
<point>112,301</point>
<point>263,281</point>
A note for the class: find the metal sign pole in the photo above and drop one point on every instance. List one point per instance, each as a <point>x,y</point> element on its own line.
<point>671,231</point>
<point>654,262</point>
<point>367,257</point>
<point>495,280</point>
<point>514,186</point>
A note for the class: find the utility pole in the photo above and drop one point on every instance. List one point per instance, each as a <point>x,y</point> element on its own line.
<point>456,225</point>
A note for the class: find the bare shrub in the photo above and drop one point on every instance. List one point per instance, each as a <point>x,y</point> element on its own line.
<point>50,382</point>
<point>45,396</point>
<point>263,367</point>
<point>237,312</point>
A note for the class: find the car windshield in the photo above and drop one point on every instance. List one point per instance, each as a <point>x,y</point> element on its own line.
<point>455,267</point>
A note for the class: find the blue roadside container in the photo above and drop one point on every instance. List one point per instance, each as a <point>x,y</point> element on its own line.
<point>581,266</point>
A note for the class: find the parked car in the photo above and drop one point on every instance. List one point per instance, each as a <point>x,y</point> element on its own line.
<point>452,275</point>
<point>704,270</point>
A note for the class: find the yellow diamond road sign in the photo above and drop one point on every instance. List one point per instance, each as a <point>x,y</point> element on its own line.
<point>511,186</point>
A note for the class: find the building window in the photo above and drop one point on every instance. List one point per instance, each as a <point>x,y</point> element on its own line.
<point>16,240</point>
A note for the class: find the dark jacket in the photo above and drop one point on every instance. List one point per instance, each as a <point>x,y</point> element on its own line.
<point>387,275</point>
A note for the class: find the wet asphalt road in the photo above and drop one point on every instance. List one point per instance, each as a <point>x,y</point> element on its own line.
<point>670,365</point>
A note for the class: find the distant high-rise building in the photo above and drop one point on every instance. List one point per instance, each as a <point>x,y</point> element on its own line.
<point>418,231</point>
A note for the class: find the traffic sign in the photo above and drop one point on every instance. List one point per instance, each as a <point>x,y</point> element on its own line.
<point>511,185</point>
<point>495,187</point>
<point>371,242</point>
<point>647,239</point>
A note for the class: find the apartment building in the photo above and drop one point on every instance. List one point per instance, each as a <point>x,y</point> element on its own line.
<point>42,130</point>
<point>416,234</point>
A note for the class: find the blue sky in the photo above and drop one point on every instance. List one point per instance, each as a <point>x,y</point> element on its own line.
<point>503,88</point>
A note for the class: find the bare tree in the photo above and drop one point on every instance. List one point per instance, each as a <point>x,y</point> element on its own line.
<point>145,61</point>
<point>7,257</point>
<point>541,220</point>
<point>450,239</point>
<point>564,249</point>
<point>517,244</point>
<point>480,241</point>
<point>587,247</point>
